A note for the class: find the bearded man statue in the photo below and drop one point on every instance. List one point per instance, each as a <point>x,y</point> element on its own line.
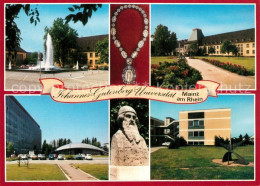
<point>128,147</point>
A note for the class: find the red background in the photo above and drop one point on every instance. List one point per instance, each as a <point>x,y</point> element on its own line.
<point>159,183</point>
<point>129,26</point>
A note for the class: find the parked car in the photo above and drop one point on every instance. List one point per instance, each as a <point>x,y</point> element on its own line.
<point>41,157</point>
<point>13,155</point>
<point>51,157</point>
<point>24,157</point>
<point>79,157</point>
<point>34,157</point>
<point>88,157</point>
<point>60,157</point>
<point>166,143</point>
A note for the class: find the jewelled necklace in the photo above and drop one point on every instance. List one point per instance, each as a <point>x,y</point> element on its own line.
<point>129,74</point>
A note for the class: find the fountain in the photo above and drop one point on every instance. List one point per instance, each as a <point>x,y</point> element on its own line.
<point>77,66</point>
<point>46,64</point>
<point>10,66</point>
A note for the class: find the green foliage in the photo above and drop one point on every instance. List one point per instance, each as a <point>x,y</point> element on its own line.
<point>211,50</point>
<point>77,56</point>
<point>92,142</point>
<point>174,75</point>
<point>164,41</point>
<point>142,110</point>
<point>177,142</point>
<point>101,48</point>
<point>193,49</point>
<point>219,141</point>
<point>12,32</point>
<point>64,38</point>
<point>82,12</point>
<point>228,47</point>
<point>31,59</point>
<point>10,148</point>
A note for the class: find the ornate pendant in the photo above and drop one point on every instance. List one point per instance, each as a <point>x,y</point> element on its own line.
<point>128,74</point>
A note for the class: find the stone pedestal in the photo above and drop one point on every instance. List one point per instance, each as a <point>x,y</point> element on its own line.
<point>130,173</point>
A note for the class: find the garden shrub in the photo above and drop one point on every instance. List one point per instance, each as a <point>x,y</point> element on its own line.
<point>174,75</point>
<point>241,70</point>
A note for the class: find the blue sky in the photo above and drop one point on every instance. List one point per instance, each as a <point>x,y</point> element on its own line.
<point>33,35</point>
<point>242,111</point>
<point>63,120</point>
<point>212,19</point>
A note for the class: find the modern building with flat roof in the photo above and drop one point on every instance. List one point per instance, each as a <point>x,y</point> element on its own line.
<point>21,129</point>
<point>79,148</point>
<point>198,127</point>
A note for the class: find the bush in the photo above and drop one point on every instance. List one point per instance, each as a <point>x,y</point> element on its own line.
<point>183,142</point>
<point>241,70</point>
<point>12,159</point>
<point>219,141</point>
<point>174,75</point>
<point>174,144</point>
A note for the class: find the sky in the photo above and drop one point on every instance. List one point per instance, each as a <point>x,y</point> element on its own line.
<point>212,19</point>
<point>33,35</point>
<point>242,111</point>
<point>63,120</point>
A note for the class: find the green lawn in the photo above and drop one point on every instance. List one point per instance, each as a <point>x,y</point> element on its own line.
<point>34,172</point>
<point>99,171</point>
<point>247,62</point>
<point>156,60</point>
<point>195,163</point>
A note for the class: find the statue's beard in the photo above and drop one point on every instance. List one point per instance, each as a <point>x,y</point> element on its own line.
<point>131,131</point>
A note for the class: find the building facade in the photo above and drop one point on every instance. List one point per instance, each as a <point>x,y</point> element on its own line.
<point>201,126</point>
<point>243,39</point>
<point>87,46</point>
<point>80,148</point>
<point>21,129</point>
<point>197,127</point>
<point>21,55</point>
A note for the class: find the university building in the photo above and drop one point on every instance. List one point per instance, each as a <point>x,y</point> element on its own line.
<point>243,39</point>
<point>21,129</point>
<point>87,46</point>
<point>197,127</point>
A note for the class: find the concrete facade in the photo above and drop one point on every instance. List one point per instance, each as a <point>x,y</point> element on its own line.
<point>201,126</point>
<point>21,129</point>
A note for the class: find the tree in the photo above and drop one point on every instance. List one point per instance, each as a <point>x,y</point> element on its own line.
<point>164,41</point>
<point>64,38</point>
<point>12,32</point>
<point>10,148</point>
<point>84,12</point>
<point>193,48</point>
<point>246,139</point>
<point>234,49</point>
<point>212,50</point>
<point>227,47</point>
<point>31,59</point>
<point>101,48</point>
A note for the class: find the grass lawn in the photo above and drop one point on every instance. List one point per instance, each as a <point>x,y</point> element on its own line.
<point>156,60</point>
<point>99,156</point>
<point>195,163</point>
<point>34,172</point>
<point>99,171</point>
<point>247,62</point>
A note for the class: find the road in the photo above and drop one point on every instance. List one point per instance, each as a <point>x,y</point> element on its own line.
<point>29,81</point>
<point>228,80</point>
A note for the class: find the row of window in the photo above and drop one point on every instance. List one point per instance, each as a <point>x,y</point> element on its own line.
<point>95,54</point>
<point>196,143</point>
<point>196,134</point>
<point>196,123</point>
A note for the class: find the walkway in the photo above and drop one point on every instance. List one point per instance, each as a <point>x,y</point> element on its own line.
<point>228,80</point>
<point>153,149</point>
<point>75,173</point>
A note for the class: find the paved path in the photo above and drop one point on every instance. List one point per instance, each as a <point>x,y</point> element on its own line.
<point>75,173</point>
<point>27,80</point>
<point>228,80</point>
